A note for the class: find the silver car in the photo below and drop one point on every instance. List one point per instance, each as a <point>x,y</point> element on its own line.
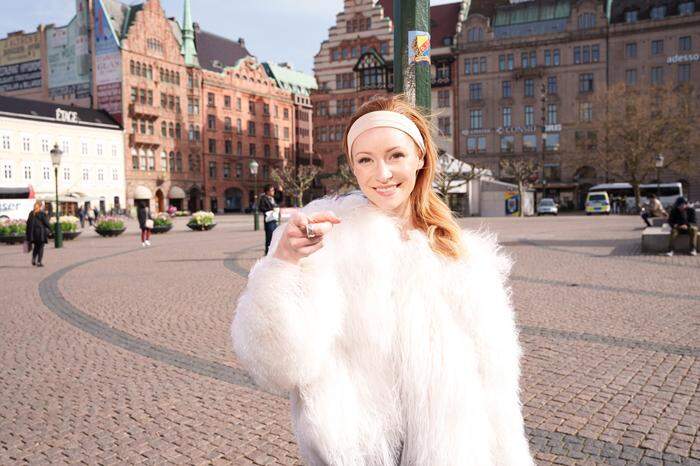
<point>547,206</point>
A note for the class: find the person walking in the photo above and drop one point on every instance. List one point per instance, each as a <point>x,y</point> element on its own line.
<point>37,232</point>
<point>390,327</point>
<point>81,217</point>
<point>653,208</point>
<point>143,213</point>
<point>683,222</point>
<point>270,211</point>
<point>91,216</point>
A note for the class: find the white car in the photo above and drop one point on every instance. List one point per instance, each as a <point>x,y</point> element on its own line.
<point>547,206</point>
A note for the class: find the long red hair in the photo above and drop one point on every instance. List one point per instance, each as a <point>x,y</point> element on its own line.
<point>428,211</point>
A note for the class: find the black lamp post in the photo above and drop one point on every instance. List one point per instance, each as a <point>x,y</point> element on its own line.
<point>254,171</point>
<point>56,154</point>
<point>659,163</point>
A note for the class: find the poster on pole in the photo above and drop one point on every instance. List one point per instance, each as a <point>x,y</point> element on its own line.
<point>419,48</point>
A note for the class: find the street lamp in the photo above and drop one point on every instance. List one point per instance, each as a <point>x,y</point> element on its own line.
<point>659,163</point>
<point>254,171</point>
<point>56,154</point>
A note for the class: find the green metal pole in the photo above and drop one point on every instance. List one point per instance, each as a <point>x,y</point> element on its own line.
<point>412,51</point>
<point>58,233</point>
<point>256,222</point>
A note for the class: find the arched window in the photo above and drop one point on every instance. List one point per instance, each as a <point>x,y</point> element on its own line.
<point>178,131</point>
<point>371,69</point>
<point>190,162</point>
<point>138,69</point>
<point>190,134</point>
<point>178,160</point>
<point>142,160</point>
<point>151,160</point>
<point>134,159</point>
<point>171,130</point>
<point>586,20</point>
<point>475,34</point>
<point>164,161</point>
<point>131,67</point>
<point>163,129</point>
<point>150,72</point>
<point>171,161</point>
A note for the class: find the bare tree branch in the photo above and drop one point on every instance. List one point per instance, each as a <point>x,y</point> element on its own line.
<point>295,181</point>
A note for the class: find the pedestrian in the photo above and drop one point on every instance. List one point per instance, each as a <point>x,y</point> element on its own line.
<point>143,213</point>
<point>91,216</point>
<point>653,208</point>
<point>81,217</point>
<point>96,211</point>
<point>391,329</point>
<point>270,211</point>
<point>37,232</point>
<point>683,222</point>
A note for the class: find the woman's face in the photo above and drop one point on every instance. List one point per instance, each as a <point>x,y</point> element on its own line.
<point>385,162</point>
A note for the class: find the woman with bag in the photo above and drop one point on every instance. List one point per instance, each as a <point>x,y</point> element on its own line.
<point>37,233</point>
<point>143,214</point>
<point>391,329</point>
<point>270,211</point>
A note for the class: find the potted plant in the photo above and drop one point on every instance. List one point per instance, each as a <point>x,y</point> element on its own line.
<point>12,231</point>
<point>162,224</point>
<point>110,225</point>
<point>201,221</point>
<point>69,226</point>
<point>182,213</point>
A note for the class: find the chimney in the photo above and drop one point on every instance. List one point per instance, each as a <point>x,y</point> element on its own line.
<point>241,42</point>
<point>195,25</point>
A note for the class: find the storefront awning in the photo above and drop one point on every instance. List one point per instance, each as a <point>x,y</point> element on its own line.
<point>142,192</point>
<point>176,192</point>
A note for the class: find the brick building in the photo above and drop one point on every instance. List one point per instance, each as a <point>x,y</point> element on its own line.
<point>356,63</point>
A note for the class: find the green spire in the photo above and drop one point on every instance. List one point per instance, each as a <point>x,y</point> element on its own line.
<point>189,51</point>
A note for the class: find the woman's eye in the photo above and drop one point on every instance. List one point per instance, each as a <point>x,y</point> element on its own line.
<point>364,160</point>
<point>398,155</point>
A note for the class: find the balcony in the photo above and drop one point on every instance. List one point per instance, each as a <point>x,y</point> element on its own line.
<point>531,72</point>
<point>141,110</point>
<point>139,139</point>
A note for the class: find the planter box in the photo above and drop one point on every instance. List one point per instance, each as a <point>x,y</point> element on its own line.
<point>157,230</point>
<point>107,233</point>
<point>12,239</point>
<point>71,234</point>
<point>195,227</point>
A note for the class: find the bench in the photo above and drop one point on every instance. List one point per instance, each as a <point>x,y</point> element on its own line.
<point>657,221</point>
<point>655,240</point>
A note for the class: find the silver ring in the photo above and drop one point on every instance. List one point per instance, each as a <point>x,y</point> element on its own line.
<point>310,233</point>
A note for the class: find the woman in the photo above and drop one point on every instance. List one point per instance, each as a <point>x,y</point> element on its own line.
<point>391,329</point>
<point>270,212</point>
<point>37,232</point>
<point>143,213</point>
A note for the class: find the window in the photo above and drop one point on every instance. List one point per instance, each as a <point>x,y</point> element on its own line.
<point>47,173</point>
<point>212,170</point>
<point>511,61</point>
<point>99,149</point>
<point>475,91</point>
<point>239,126</point>
<point>211,122</point>
<point>27,171</point>
<point>171,161</point>
<point>658,12</point>
<point>631,77</point>
<point>506,89</point>
<point>45,147</point>
<point>507,114</point>
<point>227,171</point>
<point>251,128</point>
<point>178,162</point>
<point>586,21</point>
<point>285,114</point>
<point>227,101</point>
<point>26,144</point>
<point>227,124</point>
<point>552,141</point>
<point>476,144</point>
<point>467,66</point>
<point>631,50</point>
<point>266,151</point>
<point>547,57</point>
<point>501,63</point>
<point>5,142</point>
<point>239,170</point>
<point>475,34</point>
<point>684,44</point>
<point>556,57</point>
<point>657,75</point>
<point>66,174</point>
<point>100,174</point>
<point>476,119</point>
<point>212,146</point>
<point>211,99</point>
<point>7,170</point>
<point>529,143</point>
<point>552,114</point>
<point>551,85</point>
<point>657,47</point>
<point>163,163</point>
<point>65,147</point>
<point>552,171</point>
<point>529,88</point>
<point>507,143</point>
<point>683,72</point>
<point>228,147</point>
<point>443,99</point>
<point>525,60</point>
<point>529,115</point>
<point>286,133</point>
<point>585,112</point>
<point>251,150</point>
<point>239,148</point>
<point>238,104</point>
<point>577,55</point>
<point>585,82</point>
<point>482,65</point>
<point>444,126</point>
<point>115,174</point>
<point>631,16</point>
<point>595,53</point>
<point>686,8</point>
<point>251,107</point>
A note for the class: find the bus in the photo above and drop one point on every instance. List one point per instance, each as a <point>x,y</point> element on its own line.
<point>667,192</point>
<point>16,202</point>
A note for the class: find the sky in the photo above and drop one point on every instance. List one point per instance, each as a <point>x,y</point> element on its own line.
<point>274,30</point>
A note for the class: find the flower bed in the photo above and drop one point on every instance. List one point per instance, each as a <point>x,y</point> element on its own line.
<point>110,226</point>
<point>12,231</point>
<point>162,224</point>
<point>69,226</point>
<point>201,221</point>
<point>182,213</point>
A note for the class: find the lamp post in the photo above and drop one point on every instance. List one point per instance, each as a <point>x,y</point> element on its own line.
<point>56,154</point>
<point>254,171</point>
<point>659,163</point>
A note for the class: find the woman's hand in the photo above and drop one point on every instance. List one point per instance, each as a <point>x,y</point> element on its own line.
<point>295,245</point>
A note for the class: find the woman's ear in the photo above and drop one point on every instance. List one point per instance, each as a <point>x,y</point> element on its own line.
<point>421,162</point>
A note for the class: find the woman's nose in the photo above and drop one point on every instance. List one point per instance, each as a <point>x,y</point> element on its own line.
<point>383,173</point>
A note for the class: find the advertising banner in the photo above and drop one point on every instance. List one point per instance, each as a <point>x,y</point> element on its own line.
<point>108,71</point>
<point>20,62</point>
<point>68,59</point>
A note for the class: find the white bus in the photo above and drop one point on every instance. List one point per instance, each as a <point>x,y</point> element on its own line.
<point>16,202</point>
<point>667,192</point>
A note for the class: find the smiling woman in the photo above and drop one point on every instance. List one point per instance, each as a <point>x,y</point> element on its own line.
<point>391,329</point>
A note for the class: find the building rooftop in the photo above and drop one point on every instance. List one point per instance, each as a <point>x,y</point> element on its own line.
<point>289,79</point>
<point>618,8</point>
<point>14,107</point>
<point>216,52</point>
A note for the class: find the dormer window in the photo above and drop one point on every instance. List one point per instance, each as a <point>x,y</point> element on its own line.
<point>686,8</point>
<point>631,16</point>
<point>447,40</point>
<point>475,34</point>
<point>586,21</point>
<point>658,12</point>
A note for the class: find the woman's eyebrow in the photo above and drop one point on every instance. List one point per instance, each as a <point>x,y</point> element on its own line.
<point>392,149</point>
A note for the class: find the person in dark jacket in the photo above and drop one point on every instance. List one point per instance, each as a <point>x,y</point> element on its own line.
<point>682,221</point>
<point>267,206</point>
<point>143,213</point>
<point>37,233</point>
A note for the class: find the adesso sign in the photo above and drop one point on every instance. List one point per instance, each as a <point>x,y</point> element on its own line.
<point>682,58</point>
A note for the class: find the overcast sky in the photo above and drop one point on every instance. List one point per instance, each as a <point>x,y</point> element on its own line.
<point>274,30</point>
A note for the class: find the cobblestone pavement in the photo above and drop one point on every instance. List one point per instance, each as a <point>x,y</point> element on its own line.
<point>118,354</point>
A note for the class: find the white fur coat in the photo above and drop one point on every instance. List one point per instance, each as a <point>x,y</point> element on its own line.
<point>391,354</point>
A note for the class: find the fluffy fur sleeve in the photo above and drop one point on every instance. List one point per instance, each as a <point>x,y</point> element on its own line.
<point>495,333</point>
<point>287,318</point>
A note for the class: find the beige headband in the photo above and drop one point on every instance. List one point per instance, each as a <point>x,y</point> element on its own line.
<point>384,119</point>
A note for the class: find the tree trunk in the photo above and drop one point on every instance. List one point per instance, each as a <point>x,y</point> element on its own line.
<point>637,195</point>
<point>300,202</point>
<point>521,193</point>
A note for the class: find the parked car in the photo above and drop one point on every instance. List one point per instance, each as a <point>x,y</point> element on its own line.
<point>547,206</point>
<point>597,202</point>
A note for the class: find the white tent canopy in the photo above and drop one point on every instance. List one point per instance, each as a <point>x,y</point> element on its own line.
<point>176,192</point>
<point>142,192</point>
